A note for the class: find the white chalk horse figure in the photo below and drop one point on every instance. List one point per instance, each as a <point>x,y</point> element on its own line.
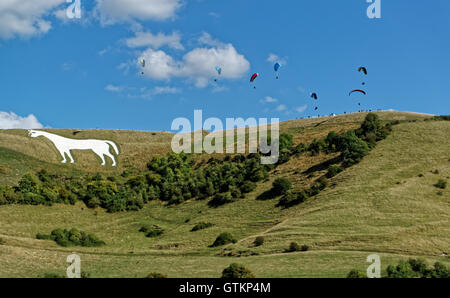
<point>64,145</point>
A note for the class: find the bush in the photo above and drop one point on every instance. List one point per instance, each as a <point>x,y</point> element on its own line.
<point>221,199</point>
<point>317,146</point>
<point>334,170</point>
<point>201,226</point>
<point>223,239</point>
<point>318,186</point>
<point>304,248</point>
<point>156,275</point>
<point>293,247</point>
<point>442,184</point>
<point>259,241</point>
<point>28,183</point>
<point>292,199</point>
<point>151,231</point>
<point>2,241</point>
<point>356,274</point>
<point>237,271</point>
<point>248,187</point>
<point>281,186</point>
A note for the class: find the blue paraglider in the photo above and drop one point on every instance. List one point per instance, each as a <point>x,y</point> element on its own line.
<point>277,67</point>
<point>219,71</point>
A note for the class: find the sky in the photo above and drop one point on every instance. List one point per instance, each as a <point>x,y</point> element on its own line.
<point>85,73</point>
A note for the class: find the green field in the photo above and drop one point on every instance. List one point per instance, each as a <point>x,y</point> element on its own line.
<point>387,205</point>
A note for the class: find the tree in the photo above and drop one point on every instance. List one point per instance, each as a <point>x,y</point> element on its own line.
<point>223,239</point>
<point>281,186</point>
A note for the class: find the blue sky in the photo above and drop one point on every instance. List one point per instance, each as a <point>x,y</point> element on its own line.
<point>71,73</point>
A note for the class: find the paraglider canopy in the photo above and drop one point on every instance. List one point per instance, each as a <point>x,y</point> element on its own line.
<point>358,90</point>
<point>219,70</point>
<point>254,76</point>
<point>142,62</point>
<point>277,66</point>
<point>363,70</point>
<point>314,95</point>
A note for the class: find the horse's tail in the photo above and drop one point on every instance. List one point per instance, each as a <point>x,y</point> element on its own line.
<point>114,146</point>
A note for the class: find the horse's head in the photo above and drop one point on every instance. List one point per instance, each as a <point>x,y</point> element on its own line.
<point>34,133</point>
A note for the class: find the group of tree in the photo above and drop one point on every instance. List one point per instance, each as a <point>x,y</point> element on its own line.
<point>71,237</point>
<point>351,146</point>
<point>413,268</point>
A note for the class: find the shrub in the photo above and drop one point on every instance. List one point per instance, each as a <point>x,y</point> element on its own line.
<point>28,183</point>
<point>304,248</point>
<point>299,149</point>
<point>288,200</point>
<point>318,186</point>
<point>223,239</point>
<point>248,187</point>
<point>151,231</point>
<point>259,241</point>
<point>442,184</point>
<point>2,241</point>
<point>292,199</point>
<point>356,274</point>
<point>334,170</point>
<point>221,199</point>
<point>237,271</point>
<point>156,275</point>
<point>93,203</point>
<point>317,146</point>
<point>293,247</point>
<point>201,226</point>
<point>281,186</point>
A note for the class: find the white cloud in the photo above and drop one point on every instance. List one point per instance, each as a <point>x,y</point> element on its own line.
<point>117,11</point>
<point>273,58</point>
<point>281,108</point>
<point>165,90</point>
<point>301,109</point>
<point>214,14</point>
<point>25,18</point>
<point>112,88</point>
<point>206,39</point>
<point>269,99</point>
<point>197,66</point>
<point>13,121</point>
<point>147,39</point>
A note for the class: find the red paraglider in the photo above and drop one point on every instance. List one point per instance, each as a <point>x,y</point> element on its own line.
<point>253,78</point>
<point>358,90</point>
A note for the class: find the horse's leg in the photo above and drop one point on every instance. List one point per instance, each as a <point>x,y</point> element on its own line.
<point>112,157</point>
<point>70,156</point>
<point>101,157</point>
<point>63,155</point>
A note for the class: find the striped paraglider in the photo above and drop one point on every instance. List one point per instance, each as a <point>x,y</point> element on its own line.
<point>253,78</point>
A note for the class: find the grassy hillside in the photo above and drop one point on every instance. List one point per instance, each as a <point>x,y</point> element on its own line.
<point>386,204</point>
